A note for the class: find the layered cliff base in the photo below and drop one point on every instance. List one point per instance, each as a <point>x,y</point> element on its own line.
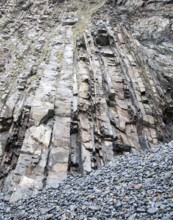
<point>114,191</point>
<point>81,82</point>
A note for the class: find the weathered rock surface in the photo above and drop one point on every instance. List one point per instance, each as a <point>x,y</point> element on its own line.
<point>76,91</point>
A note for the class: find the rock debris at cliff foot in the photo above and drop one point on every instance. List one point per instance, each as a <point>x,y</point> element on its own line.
<point>81,82</point>
<point>136,186</point>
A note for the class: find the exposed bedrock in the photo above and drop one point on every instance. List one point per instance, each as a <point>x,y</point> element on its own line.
<point>80,83</point>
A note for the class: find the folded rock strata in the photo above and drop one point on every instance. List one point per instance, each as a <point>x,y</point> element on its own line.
<point>80,83</point>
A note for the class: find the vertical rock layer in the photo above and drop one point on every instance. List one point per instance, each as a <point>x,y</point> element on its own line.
<point>77,90</point>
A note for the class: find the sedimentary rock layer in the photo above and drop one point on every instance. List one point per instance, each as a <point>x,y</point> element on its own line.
<point>81,82</point>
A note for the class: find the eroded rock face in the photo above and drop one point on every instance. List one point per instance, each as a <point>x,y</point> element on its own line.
<point>71,101</point>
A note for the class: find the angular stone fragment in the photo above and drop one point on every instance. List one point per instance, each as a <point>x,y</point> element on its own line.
<point>61,132</point>
<point>26,187</point>
<point>35,138</point>
<point>41,112</point>
<point>86,159</point>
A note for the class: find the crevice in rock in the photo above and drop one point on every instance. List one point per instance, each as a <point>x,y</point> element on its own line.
<point>14,144</point>
<point>47,169</point>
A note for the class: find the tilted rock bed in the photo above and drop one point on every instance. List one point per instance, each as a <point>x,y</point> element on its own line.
<point>79,82</point>
<point>135,186</point>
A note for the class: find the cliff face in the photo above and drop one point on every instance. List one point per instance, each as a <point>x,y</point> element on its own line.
<point>80,83</point>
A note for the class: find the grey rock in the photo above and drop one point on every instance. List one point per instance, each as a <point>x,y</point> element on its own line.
<point>152,210</point>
